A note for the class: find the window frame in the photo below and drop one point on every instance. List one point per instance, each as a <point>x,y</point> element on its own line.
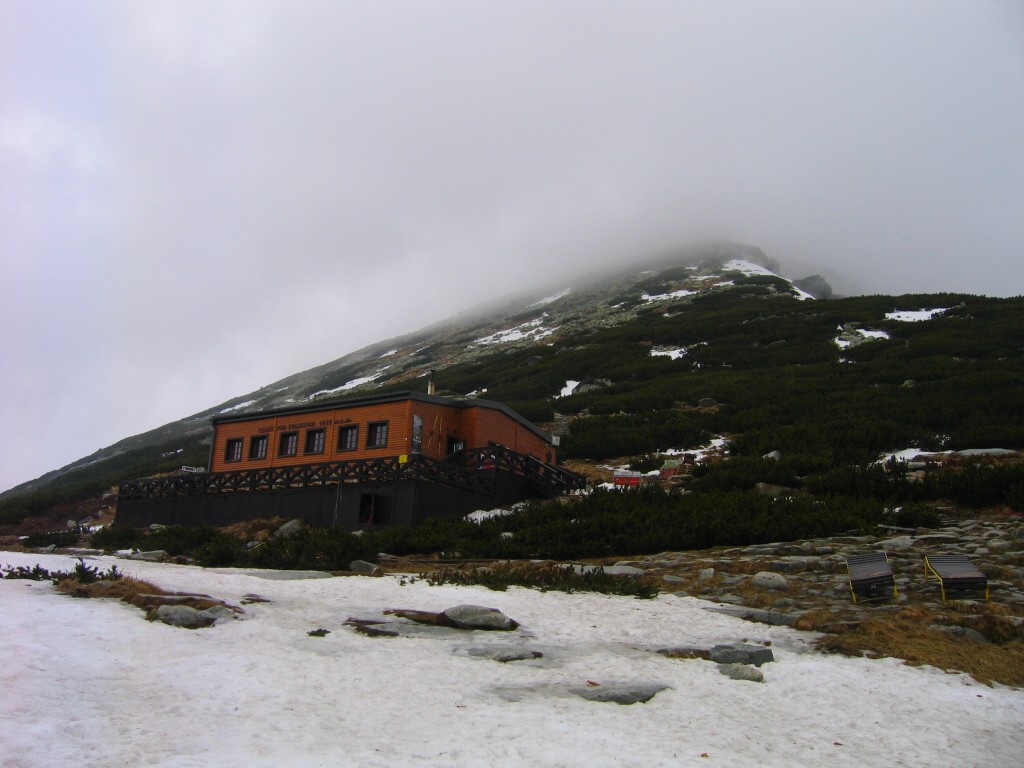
<point>345,446</point>
<point>233,450</point>
<point>318,439</point>
<point>374,431</point>
<point>291,437</point>
<point>258,440</point>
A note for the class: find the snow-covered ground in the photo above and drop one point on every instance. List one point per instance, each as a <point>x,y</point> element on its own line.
<point>89,682</point>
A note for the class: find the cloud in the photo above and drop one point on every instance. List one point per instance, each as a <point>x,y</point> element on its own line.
<point>199,199</point>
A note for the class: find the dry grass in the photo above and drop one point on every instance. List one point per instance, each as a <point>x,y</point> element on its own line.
<point>141,594</point>
<point>910,634</point>
<point>125,588</point>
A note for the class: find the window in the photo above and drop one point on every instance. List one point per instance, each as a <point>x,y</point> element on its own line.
<point>314,441</point>
<point>348,437</point>
<point>258,447</point>
<point>233,449</point>
<point>376,434</point>
<point>289,444</point>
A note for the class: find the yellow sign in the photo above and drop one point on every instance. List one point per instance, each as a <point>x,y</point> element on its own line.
<point>403,459</point>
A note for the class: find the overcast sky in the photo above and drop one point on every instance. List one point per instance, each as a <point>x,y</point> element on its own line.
<point>199,198</point>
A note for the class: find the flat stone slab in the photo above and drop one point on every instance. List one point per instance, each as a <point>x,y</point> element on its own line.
<point>742,653</point>
<point>618,693</point>
<point>183,616</point>
<point>479,617</point>
<point>505,654</point>
<point>623,570</point>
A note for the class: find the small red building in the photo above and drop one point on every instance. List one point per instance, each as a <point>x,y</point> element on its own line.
<point>389,459</point>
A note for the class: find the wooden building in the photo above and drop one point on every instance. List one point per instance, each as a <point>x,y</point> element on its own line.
<point>391,459</point>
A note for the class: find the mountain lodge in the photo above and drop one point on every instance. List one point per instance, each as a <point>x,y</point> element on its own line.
<point>389,459</point>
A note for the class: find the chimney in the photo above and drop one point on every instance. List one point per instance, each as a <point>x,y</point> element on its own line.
<point>430,382</point>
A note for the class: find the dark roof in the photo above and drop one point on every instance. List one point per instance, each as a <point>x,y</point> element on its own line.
<point>389,397</point>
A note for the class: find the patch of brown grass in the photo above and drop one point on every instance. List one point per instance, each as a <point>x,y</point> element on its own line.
<point>141,594</point>
<point>908,634</point>
<point>124,588</point>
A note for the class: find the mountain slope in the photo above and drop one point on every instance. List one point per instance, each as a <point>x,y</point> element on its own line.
<point>819,380</point>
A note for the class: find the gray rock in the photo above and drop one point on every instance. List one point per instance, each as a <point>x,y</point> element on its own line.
<point>774,456</point>
<point>291,528</point>
<point>671,578</point>
<point>900,542</point>
<point>707,402</point>
<point>965,632</point>
<point>730,599</point>
<point>153,556</point>
<point>706,574</point>
<point>479,617</point>
<point>623,570</point>
<point>183,616</point>
<point>774,491</point>
<point>619,693</point>
<point>742,653</point>
<point>218,612</point>
<point>770,580</point>
<point>361,566</point>
<point>507,535</point>
<point>505,655</point>
<point>741,672</point>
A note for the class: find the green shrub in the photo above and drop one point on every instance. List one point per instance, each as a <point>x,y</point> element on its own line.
<point>545,578</point>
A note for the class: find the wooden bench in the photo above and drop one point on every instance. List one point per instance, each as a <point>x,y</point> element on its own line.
<point>957,576</point>
<point>871,577</point>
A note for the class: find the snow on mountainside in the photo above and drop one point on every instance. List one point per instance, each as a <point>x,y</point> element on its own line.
<point>544,317</point>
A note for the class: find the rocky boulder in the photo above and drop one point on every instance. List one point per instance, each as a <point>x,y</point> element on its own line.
<point>183,616</point>
<point>479,617</point>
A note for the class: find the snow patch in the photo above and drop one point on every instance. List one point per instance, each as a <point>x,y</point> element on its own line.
<point>549,299</point>
<point>915,315</point>
<point>246,404</point>
<point>667,296</point>
<point>717,446</point>
<point>909,454</point>
<point>857,336</point>
<point>567,390</point>
<point>350,384</point>
<point>674,354</point>
<point>532,329</point>
<point>750,269</point>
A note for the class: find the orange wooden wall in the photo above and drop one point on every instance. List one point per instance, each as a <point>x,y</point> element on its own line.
<point>474,426</point>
